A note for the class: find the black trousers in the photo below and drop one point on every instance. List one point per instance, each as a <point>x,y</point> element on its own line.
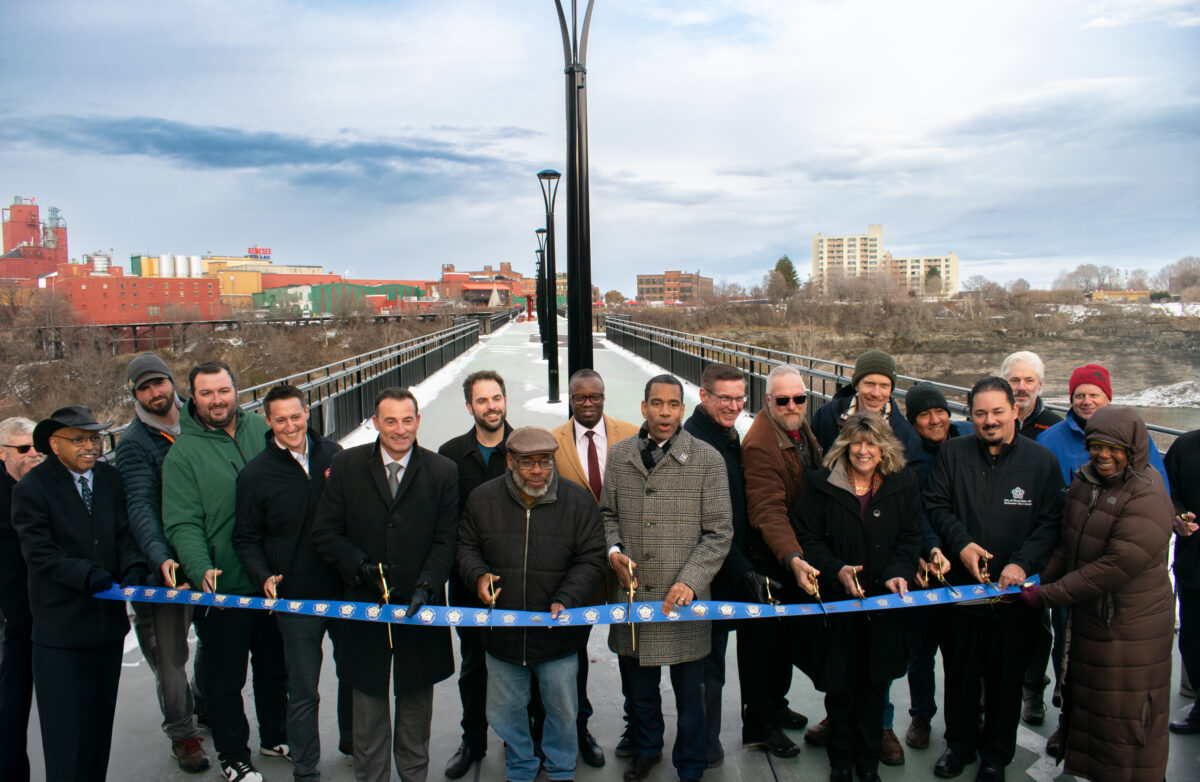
<point>77,698</point>
<point>232,639</point>
<point>992,646</point>
<point>765,653</point>
<point>1189,638</point>
<point>856,725</point>
<point>16,697</point>
<point>472,689</point>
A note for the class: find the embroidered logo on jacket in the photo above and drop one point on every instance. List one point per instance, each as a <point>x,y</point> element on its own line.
<point>1018,498</point>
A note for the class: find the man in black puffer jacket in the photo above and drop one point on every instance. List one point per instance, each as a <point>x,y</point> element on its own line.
<point>277,496</point>
<point>532,542</point>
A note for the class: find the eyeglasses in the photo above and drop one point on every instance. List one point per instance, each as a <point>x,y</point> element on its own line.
<point>728,400</point>
<point>527,463</point>
<point>587,399</point>
<point>798,400</point>
<point>78,442</point>
<point>22,449</point>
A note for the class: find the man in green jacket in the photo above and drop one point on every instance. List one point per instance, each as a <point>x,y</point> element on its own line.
<point>200,472</point>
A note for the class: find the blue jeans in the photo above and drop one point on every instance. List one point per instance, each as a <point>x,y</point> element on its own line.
<point>508,687</point>
<point>646,719</point>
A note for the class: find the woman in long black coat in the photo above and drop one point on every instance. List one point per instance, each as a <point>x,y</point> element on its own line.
<point>859,525</point>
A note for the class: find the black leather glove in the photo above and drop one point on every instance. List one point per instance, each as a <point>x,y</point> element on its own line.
<point>422,594</point>
<point>134,576</point>
<point>756,585</point>
<point>368,573</point>
<point>98,580</point>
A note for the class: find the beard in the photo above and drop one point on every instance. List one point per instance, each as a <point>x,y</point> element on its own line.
<point>160,405</point>
<point>483,423</point>
<point>524,487</point>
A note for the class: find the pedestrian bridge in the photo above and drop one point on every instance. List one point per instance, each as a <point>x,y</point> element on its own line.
<point>434,367</point>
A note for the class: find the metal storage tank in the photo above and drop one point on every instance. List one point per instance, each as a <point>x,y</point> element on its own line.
<point>195,266</point>
<point>166,266</point>
<point>100,262</point>
<point>181,266</point>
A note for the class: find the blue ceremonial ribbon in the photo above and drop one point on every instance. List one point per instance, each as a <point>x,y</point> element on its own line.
<point>643,613</point>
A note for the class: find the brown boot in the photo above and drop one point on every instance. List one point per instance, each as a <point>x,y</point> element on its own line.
<point>189,755</point>
<point>918,733</point>
<point>818,734</point>
<point>890,751</point>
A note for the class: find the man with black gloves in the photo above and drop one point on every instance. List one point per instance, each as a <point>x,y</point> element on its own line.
<point>69,513</point>
<point>162,629</point>
<point>530,541</point>
<point>277,495</point>
<point>387,521</point>
<point>722,397</point>
<point>995,500</point>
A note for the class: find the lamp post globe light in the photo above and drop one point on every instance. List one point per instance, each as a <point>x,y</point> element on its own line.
<point>548,179</point>
<point>540,295</point>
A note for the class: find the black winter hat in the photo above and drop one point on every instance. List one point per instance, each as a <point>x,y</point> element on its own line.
<point>922,397</point>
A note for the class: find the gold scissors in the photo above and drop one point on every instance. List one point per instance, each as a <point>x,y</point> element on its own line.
<point>629,612</point>
<point>937,571</point>
<point>817,595</point>
<point>383,601</point>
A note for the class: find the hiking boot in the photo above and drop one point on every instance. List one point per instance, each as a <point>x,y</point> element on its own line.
<point>890,751</point>
<point>640,767</point>
<point>190,755</point>
<point>1034,711</point>
<point>818,734</point>
<point>917,736</point>
<point>1055,747</point>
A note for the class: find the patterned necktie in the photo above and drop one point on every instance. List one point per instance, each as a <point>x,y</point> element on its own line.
<point>593,465</point>
<point>86,492</point>
<point>394,469</point>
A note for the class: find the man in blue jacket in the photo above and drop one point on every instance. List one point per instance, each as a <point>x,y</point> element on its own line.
<point>162,630</point>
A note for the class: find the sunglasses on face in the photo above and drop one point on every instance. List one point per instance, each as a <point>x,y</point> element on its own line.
<point>21,449</point>
<point>798,400</point>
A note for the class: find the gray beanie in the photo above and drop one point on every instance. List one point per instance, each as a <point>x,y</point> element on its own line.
<point>874,362</point>
<point>922,397</point>
<point>147,367</point>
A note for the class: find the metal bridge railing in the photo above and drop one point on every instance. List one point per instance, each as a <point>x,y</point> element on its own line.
<point>686,355</point>
<point>341,395</point>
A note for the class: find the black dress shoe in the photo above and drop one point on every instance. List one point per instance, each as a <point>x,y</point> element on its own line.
<point>1188,725</point>
<point>460,762</point>
<point>950,764</point>
<point>773,741</point>
<point>625,747</point>
<point>990,772</point>
<point>640,767</point>
<point>841,775</point>
<point>791,720</point>
<point>589,751</point>
<point>868,776</point>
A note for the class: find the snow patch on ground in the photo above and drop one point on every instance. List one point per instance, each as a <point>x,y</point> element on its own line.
<point>1185,394</point>
<point>1178,309</point>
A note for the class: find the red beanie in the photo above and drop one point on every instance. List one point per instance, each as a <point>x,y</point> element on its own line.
<point>1094,374</point>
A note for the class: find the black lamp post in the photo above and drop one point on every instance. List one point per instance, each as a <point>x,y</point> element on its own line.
<point>541,291</point>
<point>579,231</point>
<point>548,180</point>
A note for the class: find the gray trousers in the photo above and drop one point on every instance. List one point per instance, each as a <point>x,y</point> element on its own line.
<point>162,633</point>
<point>302,639</point>
<point>409,740</point>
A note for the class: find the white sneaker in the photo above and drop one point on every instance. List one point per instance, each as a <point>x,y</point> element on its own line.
<point>240,771</point>
<point>277,751</point>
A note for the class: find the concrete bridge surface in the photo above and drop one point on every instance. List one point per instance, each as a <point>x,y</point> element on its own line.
<point>140,750</point>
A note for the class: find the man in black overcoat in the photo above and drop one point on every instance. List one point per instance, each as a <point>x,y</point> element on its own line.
<point>388,521</point>
<point>69,513</point>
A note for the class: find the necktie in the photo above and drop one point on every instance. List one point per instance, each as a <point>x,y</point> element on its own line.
<point>394,476</point>
<point>593,465</point>
<point>85,491</point>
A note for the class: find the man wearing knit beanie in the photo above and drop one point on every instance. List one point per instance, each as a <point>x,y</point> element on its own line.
<point>870,389</point>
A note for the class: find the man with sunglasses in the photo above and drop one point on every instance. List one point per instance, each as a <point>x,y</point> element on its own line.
<point>722,397</point>
<point>69,513</point>
<point>162,630</point>
<point>777,449</point>
<point>16,657</point>
<point>530,541</point>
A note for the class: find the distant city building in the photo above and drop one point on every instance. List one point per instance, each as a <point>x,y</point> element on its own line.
<point>862,255</point>
<point>32,248</point>
<point>674,286</point>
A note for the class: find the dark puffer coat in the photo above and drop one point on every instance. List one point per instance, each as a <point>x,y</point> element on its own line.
<point>1110,566</point>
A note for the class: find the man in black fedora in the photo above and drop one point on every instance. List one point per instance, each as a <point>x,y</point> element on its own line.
<point>69,513</point>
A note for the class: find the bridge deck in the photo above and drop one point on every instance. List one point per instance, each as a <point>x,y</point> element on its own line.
<point>140,749</point>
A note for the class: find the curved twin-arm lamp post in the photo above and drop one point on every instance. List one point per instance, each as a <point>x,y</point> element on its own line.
<point>549,182</point>
<point>579,232</point>
<point>540,296</point>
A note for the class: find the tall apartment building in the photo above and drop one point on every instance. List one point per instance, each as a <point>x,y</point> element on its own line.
<point>858,255</point>
<point>862,255</point>
<point>672,286</point>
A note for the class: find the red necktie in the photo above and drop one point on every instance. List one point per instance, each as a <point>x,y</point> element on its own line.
<point>593,465</point>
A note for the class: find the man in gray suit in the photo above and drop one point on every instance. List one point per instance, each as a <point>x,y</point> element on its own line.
<point>666,511</point>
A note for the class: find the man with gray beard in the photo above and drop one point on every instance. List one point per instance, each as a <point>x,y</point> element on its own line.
<point>532,542</point>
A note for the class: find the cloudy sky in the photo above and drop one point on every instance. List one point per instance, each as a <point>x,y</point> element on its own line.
<point>385,138</point>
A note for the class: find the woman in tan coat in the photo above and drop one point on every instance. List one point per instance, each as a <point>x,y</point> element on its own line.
<point>1110,567</point>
